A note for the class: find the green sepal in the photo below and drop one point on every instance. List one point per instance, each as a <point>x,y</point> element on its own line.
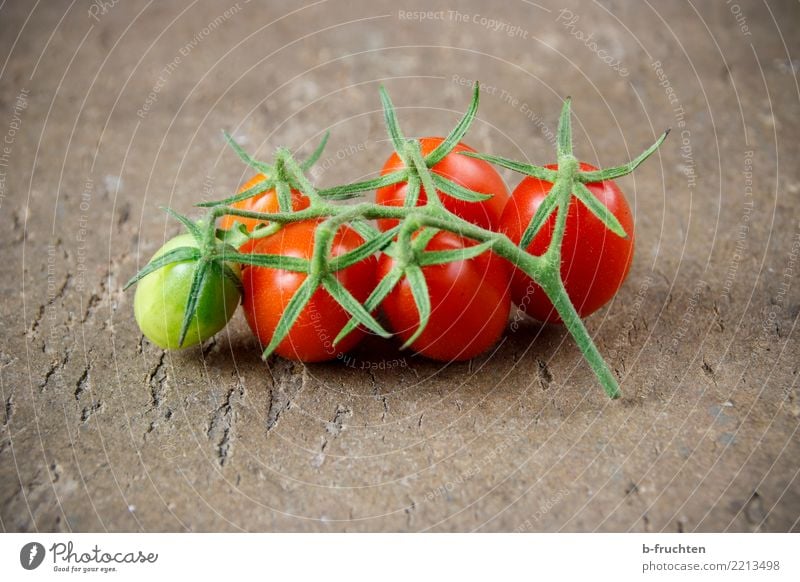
<point>247,158</point>
<point>599,209</point>
<point>420,242</point>
<point>459,131</point>
<point>350,304</point>
<point>258,188</point>
<point>390,117</point>
<point>539,218</point>
<point>382,289</point>
<point>191,226</point>
<point>540,172</point>
<point>619,171</point>
<point>277,217</point>
<point>293,309</point>
<point>301,182</point>
<point>315,155</point>
<point>361,252</point>
<point>456,190</point>
<point>173,256</point>
<point>349,190</point>
<point>263,230</point>
<point>198,278</point>
<point>464,254</point>
<point>422,299</point>
<point>423,173</point>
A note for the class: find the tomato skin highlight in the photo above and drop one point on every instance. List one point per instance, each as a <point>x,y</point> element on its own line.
<point>266,202</point>
<point>594,260</point>
<point>268,291</point>
<point>160,300</point>
<point>471,173</point>
<point>470,303</point>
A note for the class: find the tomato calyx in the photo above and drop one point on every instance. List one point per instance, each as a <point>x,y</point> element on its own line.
<point>210,255</point>
<point>283,175</point>
<point>416,166</point>
<point>569,180</point>
<point>321,269</point>
<point>412,258</point>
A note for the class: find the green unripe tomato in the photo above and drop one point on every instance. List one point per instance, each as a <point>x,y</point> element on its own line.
<point>160,301</point>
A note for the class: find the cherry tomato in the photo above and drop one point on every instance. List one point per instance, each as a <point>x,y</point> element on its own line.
<point>470,173</point>
<point>268,291</point>
<point>470,303</point>
<point>594,260</point>
<point>160,301</point>
<point>266,202</point>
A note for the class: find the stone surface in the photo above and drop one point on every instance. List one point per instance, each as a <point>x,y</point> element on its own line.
<point>108,114</point>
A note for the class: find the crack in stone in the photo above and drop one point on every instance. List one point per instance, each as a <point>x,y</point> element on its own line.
<point>55,366</point>
<point>91,305</point>
<point>9,410</point>
<point>545,376</point>
<point>37,320</point>
<point>83,383</point>
<point>88,411</point>
<point>283,391</point>
<point>221,425</point>
<point>155,380</point>
<point>336,426</point>
<point>378,396</point>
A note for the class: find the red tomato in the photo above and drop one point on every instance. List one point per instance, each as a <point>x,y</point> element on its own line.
<point>594,260</point>
<point>268,291</point>
<point>470,173</point>
<point>266,202</point>
<point>470,303</point>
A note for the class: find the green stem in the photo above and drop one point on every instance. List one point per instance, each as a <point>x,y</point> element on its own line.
<point>405,249</point>
<point>420,215</point>
<point>557,294</point>
<point>210,233</point>
<point>265,231</point>
<point>310,213</point>
<point>323,237</point>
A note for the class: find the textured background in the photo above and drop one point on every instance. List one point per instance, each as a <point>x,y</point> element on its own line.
<point>108,113</point>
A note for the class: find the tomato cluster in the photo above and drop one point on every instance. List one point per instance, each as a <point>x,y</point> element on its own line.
<point>470,299</point>
<point>437,259</point>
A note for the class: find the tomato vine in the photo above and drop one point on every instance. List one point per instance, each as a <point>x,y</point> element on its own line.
<point>406,242</point>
